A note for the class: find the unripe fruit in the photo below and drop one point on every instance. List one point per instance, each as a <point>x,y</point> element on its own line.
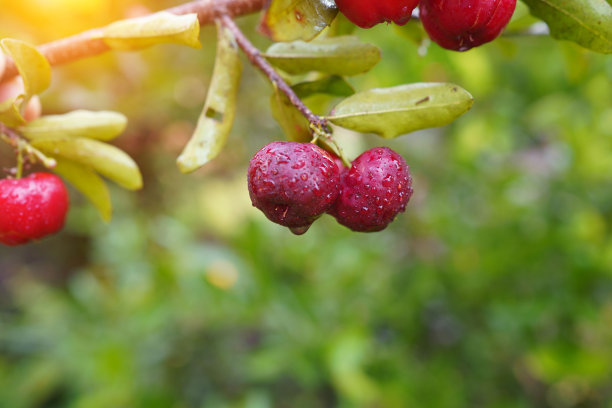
<point>375,189</point>
<point>293,183</point>
<point>463,24</point>
<point>31,207</point>
<point>367,13</point>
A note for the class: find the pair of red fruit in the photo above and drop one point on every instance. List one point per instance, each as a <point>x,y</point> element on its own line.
<point>453,24</point>
<point>31,207</point>
<point>293,184</point>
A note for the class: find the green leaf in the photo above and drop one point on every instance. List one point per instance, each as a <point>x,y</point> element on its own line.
<point>103,125</point>
<point>31,64</point>
<point>344,55</point>
<point>390,112</point>
<point>333,85</point>
<point>217,117</point>
<point>289,20</point>
<point>106,159</point>
<point>89,183</point>
<point>585,22</point>
<point>158,28</point>
<point>294,124</point>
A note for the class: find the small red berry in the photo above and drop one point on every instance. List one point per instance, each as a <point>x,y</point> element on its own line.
<point>463,24</point>
<point>368,13</point>
<point>292,183</point>
<point>31,207</point>
<point>375,189</point>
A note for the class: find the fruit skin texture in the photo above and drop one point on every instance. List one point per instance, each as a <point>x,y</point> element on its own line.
<point>373,191</point>
<point>463,24</point>
<point>368,13</point>
<point>31,207</point>
<point>293,183</point>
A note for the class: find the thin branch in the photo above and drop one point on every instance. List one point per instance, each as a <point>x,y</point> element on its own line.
<point>13,138</point>
<point>260,62</point>
<point>88,43</point>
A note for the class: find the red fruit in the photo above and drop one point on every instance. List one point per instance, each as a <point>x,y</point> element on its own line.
<point>375,189</point>
<point>367,13</point>
<point>293,183</point>
<point>463,24</point>
<point>31,207</point>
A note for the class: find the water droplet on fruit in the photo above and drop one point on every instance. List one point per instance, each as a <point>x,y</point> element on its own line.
<point>298,164</point>
<point>387,180</point>
<point>300,230</point>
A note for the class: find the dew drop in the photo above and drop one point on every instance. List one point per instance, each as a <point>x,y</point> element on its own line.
<point>300,230</point>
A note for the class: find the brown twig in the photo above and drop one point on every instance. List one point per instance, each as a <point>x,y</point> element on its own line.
<point>88,43</point>
<point>260,62</point>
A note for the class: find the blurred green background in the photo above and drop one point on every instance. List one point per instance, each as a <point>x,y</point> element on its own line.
<point>494,289</point>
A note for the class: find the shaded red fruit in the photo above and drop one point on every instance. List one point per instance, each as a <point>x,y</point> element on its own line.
<point>293,183</point>
<point>31,207</point>
<point>375,189</point>
<point>463,24</point>
<point>367,13</point>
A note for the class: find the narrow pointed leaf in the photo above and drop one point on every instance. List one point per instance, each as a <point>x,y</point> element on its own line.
<point>103,125</point>
<point>344,55</point>
<point>89,183</point>
<point>294,124</point>
<point>217,117</point>
<point>289,20</point>
<point>31,64</point>
<point>585,22</point>
<point>106,159</point>
<point>158,28</point>
<point>390,112</point>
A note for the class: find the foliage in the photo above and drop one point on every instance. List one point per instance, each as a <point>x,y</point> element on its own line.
<point>492,290</point>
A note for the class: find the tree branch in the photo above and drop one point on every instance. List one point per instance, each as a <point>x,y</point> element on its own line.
<point>260,62</point>
<point>88,43</point>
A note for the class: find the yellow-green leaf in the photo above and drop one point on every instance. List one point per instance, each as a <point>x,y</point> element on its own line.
<point>10,114</point>
<point>158,28</point>
<point>31,64</point>
<point>294,124</point>
<point>586,22</point>
<point>344,55</point>
<point>217,117</point>
<point>103,125</point>
<point>106,159</point>
<point>333,85</point>
<point>390,112</point>
<point>89,183</point>
<point>288,20</point>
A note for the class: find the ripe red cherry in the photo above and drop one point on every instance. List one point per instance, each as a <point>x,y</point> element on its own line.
<point>463,24</point>
<point>293,184</point>
<point>375,189</point>
<point>31,207</point>
<point>368,13</point>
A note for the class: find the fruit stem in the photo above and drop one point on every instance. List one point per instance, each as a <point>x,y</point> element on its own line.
<point>19,161</point>
<point>255,57</point>
<point>328,139</point>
